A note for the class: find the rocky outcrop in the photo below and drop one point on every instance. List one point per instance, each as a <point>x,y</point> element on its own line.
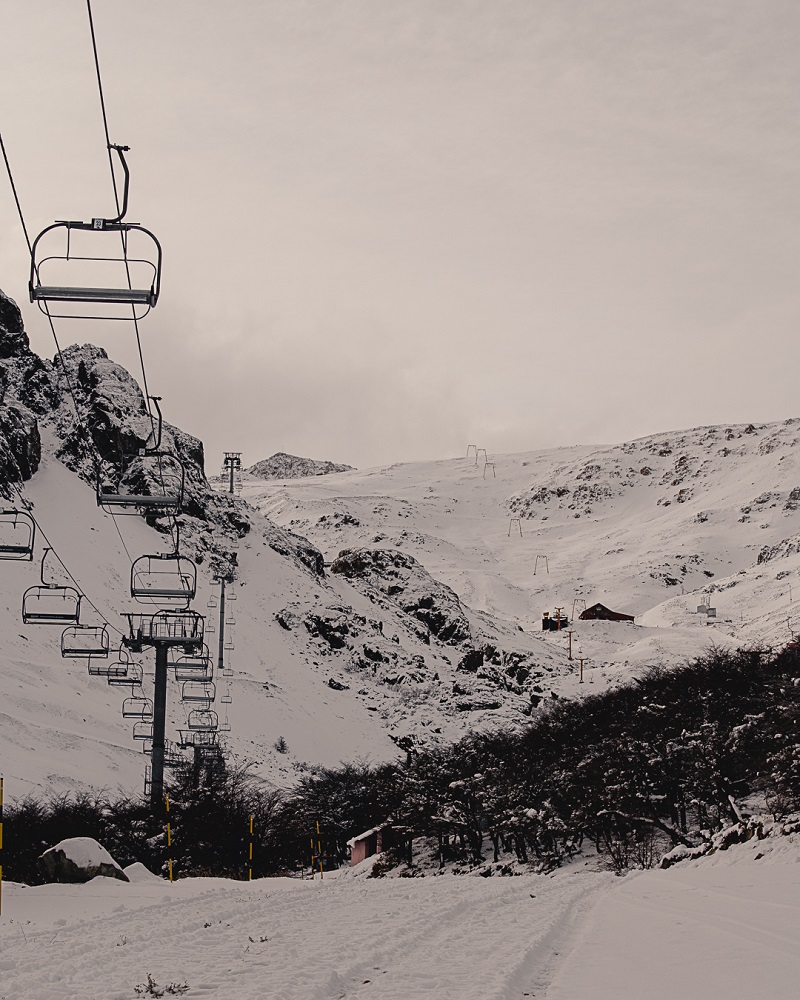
<point>283,466</point>
<point>22,376</point>
<point>408,584</point>
<point>77,860</point>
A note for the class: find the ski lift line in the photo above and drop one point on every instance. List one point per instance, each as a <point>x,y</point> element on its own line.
<point>14,192</point>
<point>66,569</point>
<point>120,213</point>
<point>46,309</point>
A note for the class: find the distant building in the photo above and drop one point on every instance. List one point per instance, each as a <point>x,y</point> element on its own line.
<point>379,838</point>
<point>599,612</point>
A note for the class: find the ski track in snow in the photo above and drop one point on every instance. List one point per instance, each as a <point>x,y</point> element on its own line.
<point>448,937</point>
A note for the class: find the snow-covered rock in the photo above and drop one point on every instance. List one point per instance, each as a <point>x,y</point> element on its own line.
<point>79,859</point>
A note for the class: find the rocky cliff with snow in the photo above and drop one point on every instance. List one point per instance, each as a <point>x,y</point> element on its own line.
<point>283,466</point>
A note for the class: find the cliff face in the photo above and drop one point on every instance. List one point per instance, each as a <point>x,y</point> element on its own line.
<point>23,380</point>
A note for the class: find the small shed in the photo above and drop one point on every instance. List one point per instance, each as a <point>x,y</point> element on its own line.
<point>379,838</point>
<point>599,612</point>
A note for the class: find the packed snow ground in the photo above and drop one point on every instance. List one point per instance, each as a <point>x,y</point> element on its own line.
<point>725,926</point>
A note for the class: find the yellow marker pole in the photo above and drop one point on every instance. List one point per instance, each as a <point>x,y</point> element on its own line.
<point>1,843</point>
<point>250,868</point>
<point>313,857</point>
<point>319,852</point>
<point>169,838</point>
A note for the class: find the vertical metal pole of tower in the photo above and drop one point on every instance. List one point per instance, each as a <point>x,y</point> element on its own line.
<point>159,725</point>
<point>221,647</point>
<point>1,843</point>
<point>232,467</point>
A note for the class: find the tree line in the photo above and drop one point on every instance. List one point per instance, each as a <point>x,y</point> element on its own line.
<point>666,760</point>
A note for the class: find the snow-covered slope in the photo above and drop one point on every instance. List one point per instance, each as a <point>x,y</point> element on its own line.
<point>724,929</point>
<point>653,527</point>
<point>429,625</point>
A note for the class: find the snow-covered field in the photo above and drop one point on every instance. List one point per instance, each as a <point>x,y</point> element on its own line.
<point>722,927</point>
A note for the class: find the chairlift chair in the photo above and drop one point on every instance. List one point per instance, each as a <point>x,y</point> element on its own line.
<point>50,603</point>
<point>166,576</point>
<point>151,481</point>
<point>225,727</point>
<point>105,247</point>
<point>137,707</point>
<point>212,603</point>
<point>226,698</point>
<point>203,692</point>
<point>203,720</point>
<point>197,659</point>
<point>201,672</point>
<point>143,730</point>
<point>130,675</point>
<point>229,644</point>
<point>85,640</point>
<point>17,535</point>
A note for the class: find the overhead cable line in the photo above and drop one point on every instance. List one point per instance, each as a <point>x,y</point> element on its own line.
<point>123,236</point>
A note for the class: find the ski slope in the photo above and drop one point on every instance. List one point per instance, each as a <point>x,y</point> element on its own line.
<point>721,927</point>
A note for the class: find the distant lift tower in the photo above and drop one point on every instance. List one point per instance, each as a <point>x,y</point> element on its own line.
<point>232,464</point>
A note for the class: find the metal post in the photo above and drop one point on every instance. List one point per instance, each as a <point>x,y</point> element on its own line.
<point>221,647</point>
<point>159,724</point>
<point>1,843</point>
<point>570,644</point>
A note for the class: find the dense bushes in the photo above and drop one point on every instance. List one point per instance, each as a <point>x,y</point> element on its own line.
<point>664,761</point>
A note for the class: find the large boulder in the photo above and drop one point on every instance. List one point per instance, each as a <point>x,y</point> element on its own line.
<point>79,859</point>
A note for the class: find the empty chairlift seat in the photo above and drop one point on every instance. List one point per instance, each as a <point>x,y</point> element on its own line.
<point>102,269</point>
<point>163,577</point>
<point>150,482</point>
<point>80,641</point>
<point>17,535</point>
<point>202,720</point>
<point>125,675</point>
<point>165,628</point>
<point>50,603</point>
<point>137,707</point>
<point>203,692</point>
<point>143,730</point>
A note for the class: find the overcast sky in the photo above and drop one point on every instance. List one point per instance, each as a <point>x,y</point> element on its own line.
<point>393,228</point>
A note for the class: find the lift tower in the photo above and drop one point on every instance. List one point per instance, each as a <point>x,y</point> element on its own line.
<point>162,631</point>
<point>232,463</point>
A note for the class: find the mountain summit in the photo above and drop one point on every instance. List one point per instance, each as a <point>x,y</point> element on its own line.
<point>283,466</point>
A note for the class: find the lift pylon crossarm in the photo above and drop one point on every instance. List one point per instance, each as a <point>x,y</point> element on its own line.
<point>165,628</point>
<point>17,535</point>
<point>85,640</point>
